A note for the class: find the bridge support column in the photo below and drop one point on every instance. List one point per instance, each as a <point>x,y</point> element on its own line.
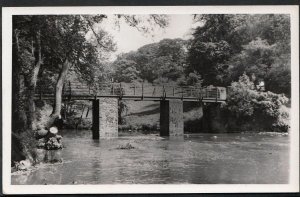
<point>95,119</point>
<point>105,118</point>
<point>108,117</point>
<point>171,118</point>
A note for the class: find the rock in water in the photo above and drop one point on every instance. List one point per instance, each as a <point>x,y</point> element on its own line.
<point>53,130</point>
<point>41,143</point>
<point>128,146</point>
<point>58,137</point>
<point>53,144</point>
<point>23,165</point>
<point>42,132</point>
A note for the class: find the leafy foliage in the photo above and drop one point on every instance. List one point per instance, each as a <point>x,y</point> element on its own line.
<point>226,46</point>
<point>258,109</point>
<point>159,62</point>
<point>262,60</point>
<point>125,70</point>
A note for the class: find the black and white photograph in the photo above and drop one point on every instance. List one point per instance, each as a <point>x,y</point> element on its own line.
<point>105,99</point>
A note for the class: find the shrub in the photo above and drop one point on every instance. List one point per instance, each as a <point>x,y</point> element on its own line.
<point>260,110</point>
<point>42,117</point>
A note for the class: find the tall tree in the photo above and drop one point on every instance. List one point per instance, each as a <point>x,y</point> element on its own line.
<point>27,58</point>
<point>210,46</point>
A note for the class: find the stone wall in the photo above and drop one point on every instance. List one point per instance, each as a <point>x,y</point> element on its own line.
<point>108,108</point>
<point>171,118</point>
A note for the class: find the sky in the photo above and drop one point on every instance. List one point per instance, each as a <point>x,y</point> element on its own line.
<point>129,38</point>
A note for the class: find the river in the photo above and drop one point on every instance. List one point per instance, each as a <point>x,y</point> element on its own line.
<point>198,159</point>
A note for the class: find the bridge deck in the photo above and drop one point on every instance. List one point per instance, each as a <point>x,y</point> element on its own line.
<point>78,91</point>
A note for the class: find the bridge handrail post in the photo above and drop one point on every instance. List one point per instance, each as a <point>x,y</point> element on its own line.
<point>63,89</point>
<point>70,88</point>
<point>40,87</point>
<point>134,89</point>
<point>121,91</point>
<point>153,93</point>
<point>142,91</point>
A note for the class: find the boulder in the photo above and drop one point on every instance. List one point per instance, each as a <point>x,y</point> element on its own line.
<point>23,165</point>
<point>53,144</point>
<point>41,143</point>
<point>42,132</point>
<point>53,130</point>
<point>58,137</point>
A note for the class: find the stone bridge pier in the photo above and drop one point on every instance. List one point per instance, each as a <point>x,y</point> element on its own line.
<point>171,118</point>
<point>105,118</point>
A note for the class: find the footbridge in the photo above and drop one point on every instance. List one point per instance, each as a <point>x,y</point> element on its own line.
<point>105,98</point>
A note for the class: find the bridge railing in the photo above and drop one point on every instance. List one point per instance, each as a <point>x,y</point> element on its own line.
<point>138,90</point>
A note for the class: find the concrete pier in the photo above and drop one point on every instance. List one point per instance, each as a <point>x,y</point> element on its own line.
<point>105,118</point>
<point>171,118</point>
<point>95,119</point>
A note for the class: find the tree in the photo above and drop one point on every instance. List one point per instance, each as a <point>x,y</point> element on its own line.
<point>27,60</point>
<point>210,46</point>
<point>226,46</point>
<point>170,59</point>
<point>125,70</point>
<point>264,62</point>
<point>158,62</point>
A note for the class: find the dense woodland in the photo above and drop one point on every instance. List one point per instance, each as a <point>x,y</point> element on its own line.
<point>239,51</point>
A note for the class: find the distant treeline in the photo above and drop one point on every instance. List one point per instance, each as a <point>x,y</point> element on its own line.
<point>222,48</point>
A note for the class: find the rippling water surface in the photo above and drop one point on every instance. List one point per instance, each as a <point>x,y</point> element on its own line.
<point>198,159</point>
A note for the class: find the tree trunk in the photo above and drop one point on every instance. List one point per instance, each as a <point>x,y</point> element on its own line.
<point>33,79</point>
<point>19,119</point>
<point>59,87</point>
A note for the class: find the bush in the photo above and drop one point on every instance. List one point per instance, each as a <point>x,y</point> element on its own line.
<point>259,110</point>
<point>28,144</point>
<point>42,117</point>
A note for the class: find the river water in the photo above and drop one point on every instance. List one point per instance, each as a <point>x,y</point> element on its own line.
<point>197,159</point>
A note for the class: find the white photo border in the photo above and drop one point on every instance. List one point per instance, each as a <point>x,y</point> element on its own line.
<point>8,188</point>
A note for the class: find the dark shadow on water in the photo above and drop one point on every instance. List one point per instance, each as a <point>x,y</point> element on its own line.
<point>174,138</point>
<point>96,142</point>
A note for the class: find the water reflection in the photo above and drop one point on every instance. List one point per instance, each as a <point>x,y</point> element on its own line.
<point>205,158</point>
